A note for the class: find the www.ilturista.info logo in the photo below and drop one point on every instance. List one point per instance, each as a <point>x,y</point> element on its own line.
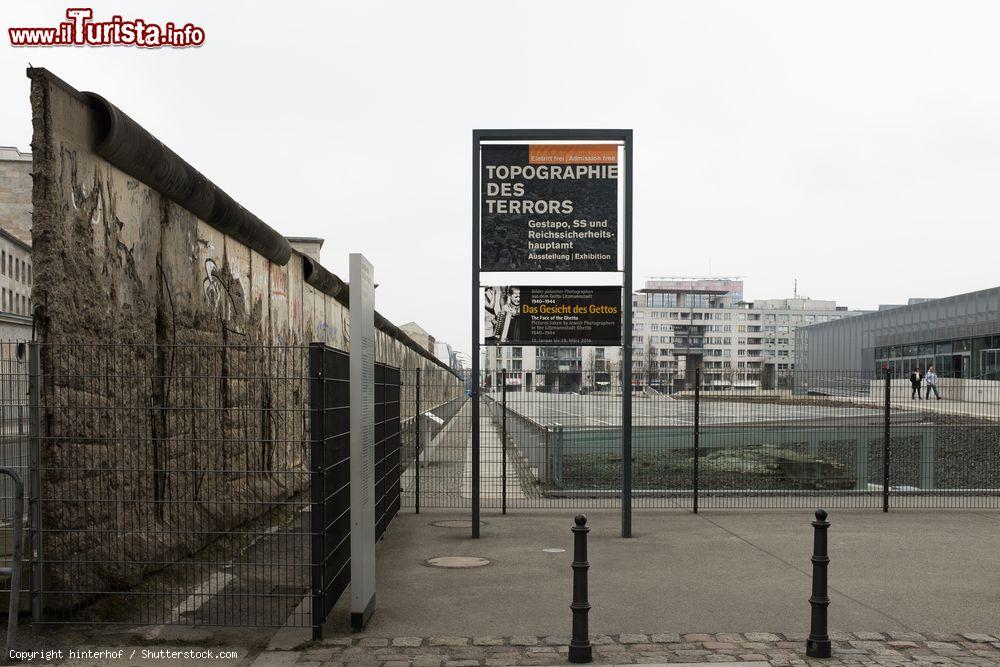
<point>82,30</point>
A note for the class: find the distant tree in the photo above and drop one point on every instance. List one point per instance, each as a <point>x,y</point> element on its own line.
<point>730,374</point>
<point>588,367</point>
<point>652,366</point>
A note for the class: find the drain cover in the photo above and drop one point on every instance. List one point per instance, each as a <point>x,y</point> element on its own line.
<point>455,523</point>
<point>456,562</point>
<point>554,550</point>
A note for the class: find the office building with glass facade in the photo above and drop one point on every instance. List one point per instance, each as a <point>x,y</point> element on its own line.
<point>959,335</point>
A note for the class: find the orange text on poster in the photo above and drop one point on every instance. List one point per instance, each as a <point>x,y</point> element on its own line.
<point>573,154</point>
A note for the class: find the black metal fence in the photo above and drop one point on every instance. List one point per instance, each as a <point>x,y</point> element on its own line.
<point>838,439</point>
<point>331,471</point>
<point>388,463</point>
<point>192,485</point>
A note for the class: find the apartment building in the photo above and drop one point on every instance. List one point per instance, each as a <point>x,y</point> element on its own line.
<point>682,324</point>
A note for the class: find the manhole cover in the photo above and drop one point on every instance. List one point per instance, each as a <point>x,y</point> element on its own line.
<point>457,562</point>
<point>456,523</point>
<point>554,550</point>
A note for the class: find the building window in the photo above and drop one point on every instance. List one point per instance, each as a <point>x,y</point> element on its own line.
<point>3,263</point>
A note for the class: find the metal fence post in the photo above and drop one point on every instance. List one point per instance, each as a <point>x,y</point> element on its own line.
<point>17,518</point>
<point>697,434</point>
<point>503,442</point>
<point>35,480</point>
<point>579,646</point>
<point>316,490</point>
<point>416,447</point>
<point>886,450</point>
<point>818,645</point>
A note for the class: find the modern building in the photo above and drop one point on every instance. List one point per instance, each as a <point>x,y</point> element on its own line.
<point>15,244</point>
<point>679,325</point>
<point>959,335</point>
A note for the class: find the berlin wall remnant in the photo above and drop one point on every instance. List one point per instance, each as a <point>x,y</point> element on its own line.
<point>132,246</point>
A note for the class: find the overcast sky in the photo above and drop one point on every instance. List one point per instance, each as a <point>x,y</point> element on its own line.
<point>854,146</point>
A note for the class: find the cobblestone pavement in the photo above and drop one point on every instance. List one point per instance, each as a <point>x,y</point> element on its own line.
<point>857,648</point>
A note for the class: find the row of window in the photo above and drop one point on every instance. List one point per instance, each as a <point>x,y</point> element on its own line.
<point>947,347</point>
<point>15,268</point>
<point>751,317</point>
<point>12,302</point>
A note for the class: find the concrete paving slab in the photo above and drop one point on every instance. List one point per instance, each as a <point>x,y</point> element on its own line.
<point>931,569</point>
<point>713,572</point>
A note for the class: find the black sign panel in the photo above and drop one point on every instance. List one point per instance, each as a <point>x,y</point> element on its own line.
<point>553,316</point>
<point>549,207</point>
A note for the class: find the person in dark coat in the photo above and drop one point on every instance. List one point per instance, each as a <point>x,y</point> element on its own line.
<point>915,380</point>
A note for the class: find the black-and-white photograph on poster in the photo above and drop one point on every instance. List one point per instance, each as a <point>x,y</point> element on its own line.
<point>549,207</point>
<point>553,316</point>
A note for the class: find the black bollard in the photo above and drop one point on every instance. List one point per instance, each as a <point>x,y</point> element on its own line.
<point>818,644</point>
<point>579,646</point>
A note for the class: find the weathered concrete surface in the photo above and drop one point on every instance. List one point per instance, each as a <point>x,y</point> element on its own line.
<point>168,422</point>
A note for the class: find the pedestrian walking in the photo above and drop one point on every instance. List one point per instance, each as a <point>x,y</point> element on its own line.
<point>915,379</point>
<point>932,383</point>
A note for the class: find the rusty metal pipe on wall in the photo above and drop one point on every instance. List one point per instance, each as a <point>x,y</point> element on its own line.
<point>125,144</point>
<point>128,146</point>
<point>316,275</point>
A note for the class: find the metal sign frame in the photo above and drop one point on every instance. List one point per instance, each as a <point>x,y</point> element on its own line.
<point>618,136</point>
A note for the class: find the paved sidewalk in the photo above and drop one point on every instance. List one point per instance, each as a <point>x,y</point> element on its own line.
<point>750,648</point>
<point>716,571</point>
<point>491,468</point>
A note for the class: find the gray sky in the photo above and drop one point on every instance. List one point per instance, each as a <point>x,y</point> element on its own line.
<point>852,145</point>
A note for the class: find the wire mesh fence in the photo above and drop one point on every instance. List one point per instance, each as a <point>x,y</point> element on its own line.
<point>187,485</point>
<point>435,439</point>
<point>177,484</point>
<point>174,484</point>
<point>838,439</point>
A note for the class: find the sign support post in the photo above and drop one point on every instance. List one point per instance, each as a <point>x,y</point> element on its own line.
<point>627,344</point>
<point>475,380</point>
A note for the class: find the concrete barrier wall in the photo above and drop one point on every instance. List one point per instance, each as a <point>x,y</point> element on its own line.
<point>117,262</point>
